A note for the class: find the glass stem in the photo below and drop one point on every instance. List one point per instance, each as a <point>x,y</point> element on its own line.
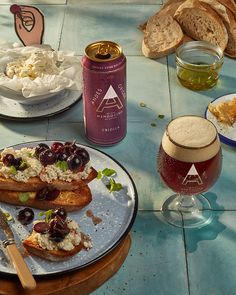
<point>187,203</point>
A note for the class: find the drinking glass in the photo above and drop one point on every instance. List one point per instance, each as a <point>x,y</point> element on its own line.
<point>189,162</point>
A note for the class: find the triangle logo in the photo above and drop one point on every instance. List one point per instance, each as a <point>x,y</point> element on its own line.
<point>110,100</point>
<point>192,176</point>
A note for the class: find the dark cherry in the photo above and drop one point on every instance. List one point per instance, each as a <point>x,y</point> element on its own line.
<point>52,194</point>
<point>47,157</point>
<point>70,147</point>
<point>47,194</point>
<point>25,216</point>
<point>8,160</point>
<point>41,194</point>
<point>42,227</point>
<point>58,229</point>
<point>40,148</point>
<point>17,162</point>
<point>83,154</point>
<point>61,212</point>
<point>74,162</point>
<point>56,146</point>
<point>62,156</point>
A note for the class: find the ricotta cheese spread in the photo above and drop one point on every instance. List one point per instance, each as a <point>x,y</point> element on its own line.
<point>35,65</point>
<point>73,239</point>
<point>36,169</point>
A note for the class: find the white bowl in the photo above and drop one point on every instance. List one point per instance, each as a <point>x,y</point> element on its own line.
<point>18,97</point>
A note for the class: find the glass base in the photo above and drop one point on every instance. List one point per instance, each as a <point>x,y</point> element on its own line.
<point>187,211</point>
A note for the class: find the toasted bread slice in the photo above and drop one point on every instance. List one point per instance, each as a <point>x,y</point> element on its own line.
<point>36,184</point>
<point>52,255</point>
<point>69,200</point>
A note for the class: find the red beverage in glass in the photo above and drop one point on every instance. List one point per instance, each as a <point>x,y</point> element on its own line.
<point>189,162</point>
<point>189,178</point>
<point>104,93</point>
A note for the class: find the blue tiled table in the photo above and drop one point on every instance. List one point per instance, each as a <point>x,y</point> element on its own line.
<point>163,259</point>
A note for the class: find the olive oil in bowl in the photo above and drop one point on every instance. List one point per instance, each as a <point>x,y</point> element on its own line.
<point>198,64</point>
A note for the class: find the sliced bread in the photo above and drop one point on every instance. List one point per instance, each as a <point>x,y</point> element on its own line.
<point>201,22</point>
<point>230,4</point>
<point>69,200</point>
<point>162,36</point>
<point>229,22</point>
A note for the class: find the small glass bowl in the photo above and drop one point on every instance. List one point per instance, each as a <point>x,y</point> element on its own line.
<point>198,64</point>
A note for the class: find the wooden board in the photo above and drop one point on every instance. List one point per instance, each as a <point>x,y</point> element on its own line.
<point>81,282</point>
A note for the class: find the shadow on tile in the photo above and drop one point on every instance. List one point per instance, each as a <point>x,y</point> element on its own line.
<point>209,232</point>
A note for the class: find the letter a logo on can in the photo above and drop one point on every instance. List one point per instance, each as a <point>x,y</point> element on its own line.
<point>110,100</point>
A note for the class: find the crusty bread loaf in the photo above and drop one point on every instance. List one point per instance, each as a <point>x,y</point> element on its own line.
<point>229,22</point>
<point>69,200</point>
<point>230,4</point>
<point>52,255</point>
<point>36,184</point>
<point>162,36</point>
<point>201,22</point>
<point>168,9</point>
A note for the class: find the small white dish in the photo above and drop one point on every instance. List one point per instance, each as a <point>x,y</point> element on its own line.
<point>18,97</point>
<point>227,134</point>
<point>10,109</point>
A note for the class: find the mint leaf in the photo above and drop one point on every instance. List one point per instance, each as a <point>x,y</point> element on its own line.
<point>8,216</point>
<point>161,116</point>
<point>13,170</point>
<point>62,165</point>
<point>47,214</point>
<point>99,176</point>
<point>113,185</point>
<point>23,165</point>
<point>24,197</point>
<point>108,172</point>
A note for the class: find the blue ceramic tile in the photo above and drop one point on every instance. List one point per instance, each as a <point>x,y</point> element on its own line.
<point>147,84</point>
<point>53,14</point>
<point>86,23</point>
<point>137,153</point>
<point>155,264</point>
<point>210,256</point>
<point>16,132</point>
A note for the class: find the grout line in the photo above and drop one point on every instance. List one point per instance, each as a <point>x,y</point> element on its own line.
<point>186,261</point>
<point>169,88</point>
<point>62,26</point>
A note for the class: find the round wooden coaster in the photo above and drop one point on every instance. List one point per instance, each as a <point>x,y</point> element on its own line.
<point>81,282</point>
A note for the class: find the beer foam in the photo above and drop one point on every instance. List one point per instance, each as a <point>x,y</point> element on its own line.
<point>191,139</point>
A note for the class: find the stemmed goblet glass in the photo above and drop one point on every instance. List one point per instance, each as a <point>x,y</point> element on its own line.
<point>189,162</point>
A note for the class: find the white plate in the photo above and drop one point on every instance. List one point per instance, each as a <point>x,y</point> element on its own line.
<point>18,97</point>
<point>227,133</point>
<point>13,110</point>
<point>117,211</point>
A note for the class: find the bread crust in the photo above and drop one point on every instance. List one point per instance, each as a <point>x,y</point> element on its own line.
<point>206,13</point>
<point>52,255</point>
<point>36,184</point>
<point>69,200</point>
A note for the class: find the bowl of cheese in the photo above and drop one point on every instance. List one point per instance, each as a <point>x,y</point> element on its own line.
<point>31,75</point>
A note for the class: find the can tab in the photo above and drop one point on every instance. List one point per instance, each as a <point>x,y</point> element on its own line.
<point>103,52</point>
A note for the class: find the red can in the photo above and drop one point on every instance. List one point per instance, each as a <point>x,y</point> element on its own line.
<point>104,93</point>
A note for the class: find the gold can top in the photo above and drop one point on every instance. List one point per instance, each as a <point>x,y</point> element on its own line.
<point>103,51</point>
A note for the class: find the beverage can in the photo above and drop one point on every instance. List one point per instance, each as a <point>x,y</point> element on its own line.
<point>104,93</point>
